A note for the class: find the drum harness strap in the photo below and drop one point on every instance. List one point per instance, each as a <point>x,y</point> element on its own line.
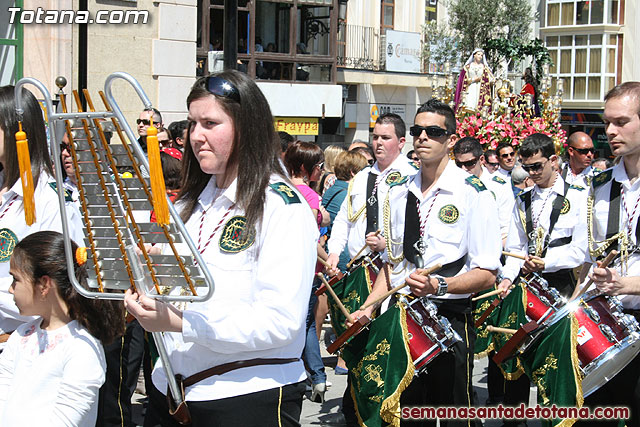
<point>535,246</point>
<point>615,238</point>
<point>372,201</point>
<point>411,230</point>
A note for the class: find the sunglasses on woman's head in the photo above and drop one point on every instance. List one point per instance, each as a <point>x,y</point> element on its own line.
<point>432,131</point>
<point>221,87</point>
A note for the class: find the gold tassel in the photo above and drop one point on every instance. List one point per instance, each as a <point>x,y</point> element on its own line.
<point>24,162</point>
<point>157,179</point>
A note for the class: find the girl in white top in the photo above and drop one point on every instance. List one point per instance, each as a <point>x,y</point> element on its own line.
<point>13,227</point>
<point>257,238</point>
<point>52,367</point>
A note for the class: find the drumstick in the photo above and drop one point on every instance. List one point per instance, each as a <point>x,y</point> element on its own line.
<point>359,253</point>
<point>426,272</point>
<point>577,293</point>
<point>501,330</point>
<point>536,261</point>
<point>323,262</point>
<point>341,306</point>
<point>490,294</point>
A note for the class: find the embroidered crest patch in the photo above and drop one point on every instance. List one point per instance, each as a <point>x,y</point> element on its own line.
<point>285,192</point>
<point>603,177</point>
<point>395,178</point>
<point>566,207</point>
<point>448,214</point>
<point>67,194</point>
<point>499,180</point>
<point>476,183</point>
<point>577,187</point>
<point>232,239</point>
<point>415,165</point>
<point>8,241</point>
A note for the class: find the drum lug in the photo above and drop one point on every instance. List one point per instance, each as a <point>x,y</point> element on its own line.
<point>614,303</point>
<point>608,333</point>
<point>416,316</point>
<point>429,332</point>
<point>630,322</point>
<point>592,313</point>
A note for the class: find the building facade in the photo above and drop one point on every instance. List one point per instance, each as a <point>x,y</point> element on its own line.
<point>593,45</point>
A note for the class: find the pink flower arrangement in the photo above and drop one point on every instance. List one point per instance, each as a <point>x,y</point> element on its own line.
<point>512,130</point>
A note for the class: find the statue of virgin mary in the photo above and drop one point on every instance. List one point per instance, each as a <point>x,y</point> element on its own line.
<point>473,90</point>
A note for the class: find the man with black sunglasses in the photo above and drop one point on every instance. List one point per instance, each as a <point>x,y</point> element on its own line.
<point>144,121</point>
<point>507,159</point>
<point>441,215</point>
<point>548,227</point>
<point>469,156</point>
<point>578,170</point>
<point>491,161</point>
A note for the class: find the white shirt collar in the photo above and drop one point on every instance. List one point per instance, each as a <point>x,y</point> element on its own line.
<point>557,187</point>
<point>207,196</point>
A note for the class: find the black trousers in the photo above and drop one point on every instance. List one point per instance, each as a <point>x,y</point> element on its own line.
<point>269,408</point>
<point>447,381</point>
<point>123,357</point>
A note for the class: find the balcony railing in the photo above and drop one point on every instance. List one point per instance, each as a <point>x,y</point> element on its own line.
<point>359,47</point>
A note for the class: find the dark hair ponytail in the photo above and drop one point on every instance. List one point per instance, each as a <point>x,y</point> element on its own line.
<point>42,254</point>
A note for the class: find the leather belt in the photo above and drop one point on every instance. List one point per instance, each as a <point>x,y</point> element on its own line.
<point>232,366</point>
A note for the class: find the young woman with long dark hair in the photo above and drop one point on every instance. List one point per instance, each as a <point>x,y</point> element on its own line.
<point>258,240</point>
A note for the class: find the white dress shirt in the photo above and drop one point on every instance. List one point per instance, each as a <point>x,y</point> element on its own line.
<point>601,206</point>
<point>475,233</point>
<point>583,179</point>
<point>353,233</point>
<point>12,218</point>
<point>259,306</point>
<point>501,190</point>
<point>504,174</point>
<point>571,223</point>
<point>51,377</point>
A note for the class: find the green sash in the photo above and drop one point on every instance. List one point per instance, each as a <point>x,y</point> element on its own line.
<point>380,368</point>
<point>484,338</point>
<point>554,368</point>
<point>352,290</point>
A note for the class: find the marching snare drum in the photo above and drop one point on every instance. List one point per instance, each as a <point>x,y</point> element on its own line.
<point>542,300</point>
<point>607,338</point>
<point>429,334</point>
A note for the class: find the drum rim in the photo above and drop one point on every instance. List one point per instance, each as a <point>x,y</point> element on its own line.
<point>630,342</point>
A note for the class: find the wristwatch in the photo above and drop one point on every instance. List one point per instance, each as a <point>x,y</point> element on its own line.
<point>442,287</point>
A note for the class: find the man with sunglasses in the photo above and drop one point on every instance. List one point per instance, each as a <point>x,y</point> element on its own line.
<point>507,160</point>
<point>441,215</point>
<point>490,161</point>
<point>361,213</point>
<point>578,170</point>
<point>144,121</point>
<point>548,227</point>
<point>469,156</point>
